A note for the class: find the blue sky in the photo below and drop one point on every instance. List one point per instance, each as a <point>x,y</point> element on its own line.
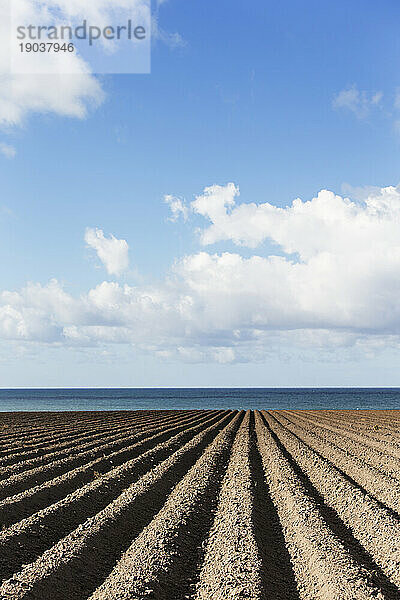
<point>249,96</point>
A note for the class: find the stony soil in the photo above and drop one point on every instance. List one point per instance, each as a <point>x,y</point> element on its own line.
<point>200,505</point>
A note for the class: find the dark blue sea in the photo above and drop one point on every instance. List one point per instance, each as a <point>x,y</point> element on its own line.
<point>190,398</point>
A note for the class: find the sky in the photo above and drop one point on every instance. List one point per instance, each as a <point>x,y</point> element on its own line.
<point>230,219</point>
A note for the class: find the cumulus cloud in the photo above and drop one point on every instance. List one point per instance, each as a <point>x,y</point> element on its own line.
<point>112,252</point>
<point>7,150</point>
<point>57,92</point>
<point>328,223</point>
<point>215,204</point>
<point>68,88</point>
<point>333,287</point>
<point>67,95</point>
<point>359,102</point>
<point>177,207</point>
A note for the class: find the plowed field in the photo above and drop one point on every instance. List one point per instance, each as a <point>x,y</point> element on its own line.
<point>204,505</point>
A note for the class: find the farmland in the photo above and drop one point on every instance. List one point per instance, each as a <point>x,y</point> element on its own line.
<point>218,504</point>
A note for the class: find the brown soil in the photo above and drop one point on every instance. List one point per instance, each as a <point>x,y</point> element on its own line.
<point>203,505</point>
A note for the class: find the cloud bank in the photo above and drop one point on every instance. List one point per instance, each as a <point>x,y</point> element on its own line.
<point>333,282</point>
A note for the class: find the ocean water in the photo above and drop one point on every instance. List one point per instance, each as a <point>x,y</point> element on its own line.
<point>198,398</point>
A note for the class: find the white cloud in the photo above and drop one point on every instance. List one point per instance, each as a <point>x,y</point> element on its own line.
<point>333,289</point>
<point>112,252</point>
<point>178,208</point>
<point>56,92</point>
<point>66,95</point>
<point>7,150</point>
<point>326,224</point>
<point>215,203</point>
<point>358,102</point>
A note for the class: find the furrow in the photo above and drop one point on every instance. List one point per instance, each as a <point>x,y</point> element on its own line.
<point>161,562</point>
<point>77,449</point>
<point>75,565</point>
<point>27,451</point>
<point>380,486</point>
<point>23,542</point>
<point>30,432</point>
<point>277,575</point>
<point>232,563</point>
<point>33,477</point>
<point>30,501</point>
<point>371,533</point>
<point>49,433</point>
<point>373,430</point>
<point>352,444</point>
<point>323,567</point>
<point>75,432</point>
<point>383,446</point>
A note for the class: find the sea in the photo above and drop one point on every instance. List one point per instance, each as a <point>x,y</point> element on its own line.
<point>197,398</point>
